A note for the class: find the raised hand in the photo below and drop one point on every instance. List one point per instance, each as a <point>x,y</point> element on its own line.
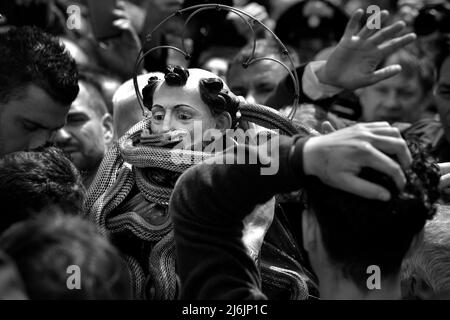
<point>258,12</point>
<point>338,157</point>
<point>444,184</point>
<point>353,62</point>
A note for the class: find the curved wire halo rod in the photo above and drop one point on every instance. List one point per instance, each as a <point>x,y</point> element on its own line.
<point>218,7</point>
<point>291,74</point>
<point>135,82</point>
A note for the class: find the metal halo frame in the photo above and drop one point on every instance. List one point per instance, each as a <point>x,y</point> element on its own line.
<point>203,7</point>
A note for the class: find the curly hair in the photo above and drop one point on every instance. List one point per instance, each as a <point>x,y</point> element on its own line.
<point>212,91</point>
<point>30,56</point>
<point>31,181</point>
<point>359,232</point>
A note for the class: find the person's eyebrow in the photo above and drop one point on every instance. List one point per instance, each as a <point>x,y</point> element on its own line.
<point>182,105</point>
<point>174,107</point>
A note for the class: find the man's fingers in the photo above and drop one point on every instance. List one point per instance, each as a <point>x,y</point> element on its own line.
<point>363,188</point>
<point>121,5</point>
<point>241,99</point>
<point>393,146</point>
<point>445,181</point>
<point>387,131</point>
<point>353,25</point>
<point>120,14</point>
<point>366,32</point>
<point>383,74</point>
<point>444,168</point>
<point>377,160</point>
<point>387,33</point>
<point>393,45</point>
<point>382,128</point>
<point>327,127</point>
<point>376,124</point>
<point>122,24</point>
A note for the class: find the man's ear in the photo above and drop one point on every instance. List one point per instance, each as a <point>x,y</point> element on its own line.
<point>108,128</point>
<point>309,232</point>
<point>223,121</point>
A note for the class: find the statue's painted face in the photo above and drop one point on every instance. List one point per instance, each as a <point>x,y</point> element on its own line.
<point>179,108</point>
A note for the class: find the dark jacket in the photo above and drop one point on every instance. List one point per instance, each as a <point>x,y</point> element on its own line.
<point>208,206</point>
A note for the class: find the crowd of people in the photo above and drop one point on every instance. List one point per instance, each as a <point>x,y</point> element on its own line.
<point>121,180</point>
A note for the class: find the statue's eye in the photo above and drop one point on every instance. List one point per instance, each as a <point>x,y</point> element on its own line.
<point>158,116</point>
<point>183,115</point>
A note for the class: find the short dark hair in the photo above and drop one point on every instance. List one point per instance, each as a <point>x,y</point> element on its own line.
<point>211,90</point>
<point>33,180</point>
<point>359,232</point>
<point>44,247</point>
<point>97,101</point>
<point>30,56</point>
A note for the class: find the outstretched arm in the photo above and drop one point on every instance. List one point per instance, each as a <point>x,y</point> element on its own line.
<point>352,64</point>
<point>211,200</point>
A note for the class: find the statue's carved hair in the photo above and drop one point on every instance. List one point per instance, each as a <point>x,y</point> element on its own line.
<point>211,90</point>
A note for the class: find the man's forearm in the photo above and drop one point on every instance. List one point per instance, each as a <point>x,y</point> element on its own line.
<point>208,205</point>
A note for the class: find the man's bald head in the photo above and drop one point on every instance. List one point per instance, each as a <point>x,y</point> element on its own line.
<point>91,96</point>
<point>127,111</point>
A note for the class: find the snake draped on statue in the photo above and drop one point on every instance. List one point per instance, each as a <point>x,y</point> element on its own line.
<point>129,199</point>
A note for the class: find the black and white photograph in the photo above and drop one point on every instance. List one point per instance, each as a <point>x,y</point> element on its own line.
<point>220,158</point>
